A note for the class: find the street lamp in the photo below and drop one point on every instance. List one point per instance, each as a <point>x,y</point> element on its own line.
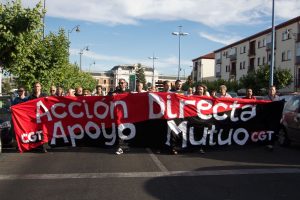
<point>179,34</point>
<point>273,47</point>
<point>94,63</point>
<point>80,54</point>
<point>153,58</point>
<point>76,28</point>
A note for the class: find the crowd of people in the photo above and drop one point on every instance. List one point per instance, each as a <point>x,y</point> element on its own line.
<point>200,90</point>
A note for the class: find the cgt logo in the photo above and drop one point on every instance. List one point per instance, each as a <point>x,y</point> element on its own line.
<point>32,137</point>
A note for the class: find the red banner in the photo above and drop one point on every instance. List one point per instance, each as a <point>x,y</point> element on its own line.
<point>72,118</point>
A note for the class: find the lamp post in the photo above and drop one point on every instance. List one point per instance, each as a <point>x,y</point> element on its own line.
<point>153,58</point>
<point>93,63</point>
<point>273,48</point>
<point>80,54</point>
<point>179,34</point>
<point>76,28</point>
<point>44,20</point>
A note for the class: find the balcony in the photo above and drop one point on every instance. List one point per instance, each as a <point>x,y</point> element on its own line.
<point>297,61</point>
<point>232,57</point>
<point>251,52</point>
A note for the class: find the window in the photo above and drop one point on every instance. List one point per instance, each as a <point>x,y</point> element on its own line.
<point>243,49</point>
<point>285,35</point>
<point>283,56</point>
<point>258,61</point>
<point>244,65</point>
<point>264,42</point>
<point>259,44</point>
<point>241,65</point>
<point>104,81</point>
<point>227,68</point>
<point>289,55</point>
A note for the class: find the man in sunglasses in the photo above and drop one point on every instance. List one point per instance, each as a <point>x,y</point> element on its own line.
<point>121,89</point>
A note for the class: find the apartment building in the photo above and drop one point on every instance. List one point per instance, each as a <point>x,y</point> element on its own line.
<point>204,68</point>
<point>237,59</point>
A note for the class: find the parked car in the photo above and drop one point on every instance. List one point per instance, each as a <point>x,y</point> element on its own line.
<point>290,122</point>
<point>6,134</point>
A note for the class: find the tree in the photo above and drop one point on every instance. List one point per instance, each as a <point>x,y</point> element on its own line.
<point>259,79</point>
<point>140,74</point>
<point>20,32</point>
<point>29,56</point>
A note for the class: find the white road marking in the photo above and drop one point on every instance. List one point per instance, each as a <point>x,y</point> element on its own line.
<point>150,174</point>
<point>157,161</point>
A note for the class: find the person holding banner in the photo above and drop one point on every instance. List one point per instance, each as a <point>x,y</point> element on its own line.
<point>37,93</point>
<point>249,94</point>
<point>121,90</point>
<point>21,96</point>
<point>272,96</point>
<point>178,87</point>
<point>223,92</point>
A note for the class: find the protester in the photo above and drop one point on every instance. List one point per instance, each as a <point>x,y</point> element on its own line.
<point>249,94</point>
<point>178,87</point>
<point>21,96</point>
<point>53,91</point>
<point>86,92</point>
<point>78,91</point>
<point>167,86</point>
<point>213,94</point>
<point>223,92</point>
<point>272,96</point>
<point>201,90</point>
<point>71,92</point>
<point>152,89</point>
<point>189,91</point>
<point>99,91</point>
<point>121,90</point>
<point>37,93</point>
<point>59,91</point>
<point>139,87</point>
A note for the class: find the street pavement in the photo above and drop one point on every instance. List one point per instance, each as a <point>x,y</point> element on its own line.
<point>229,173</point>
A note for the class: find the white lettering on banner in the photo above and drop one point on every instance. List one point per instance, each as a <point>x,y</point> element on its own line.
<point>86,107</point>
<point>183,104</point>
<point>204,108</point>
<point>239,136</point>
<point>82,109</point>
<point>111,136</point>
<point>93,130</point>
<point>40,104</point>
<point>153,98</point>
<point>74,135</point>
<point>169,108</point>
<point>31,137</point>
<point>125,126</point>
<point>105,112</point>
<point>55,114</point>
<point>58,125</point>
<point>71,110</point>
<point>113,105</point>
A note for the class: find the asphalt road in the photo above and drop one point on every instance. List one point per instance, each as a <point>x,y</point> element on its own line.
<point>227,173</point>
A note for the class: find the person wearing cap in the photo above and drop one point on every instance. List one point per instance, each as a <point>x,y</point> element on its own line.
<point>21,96</point>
